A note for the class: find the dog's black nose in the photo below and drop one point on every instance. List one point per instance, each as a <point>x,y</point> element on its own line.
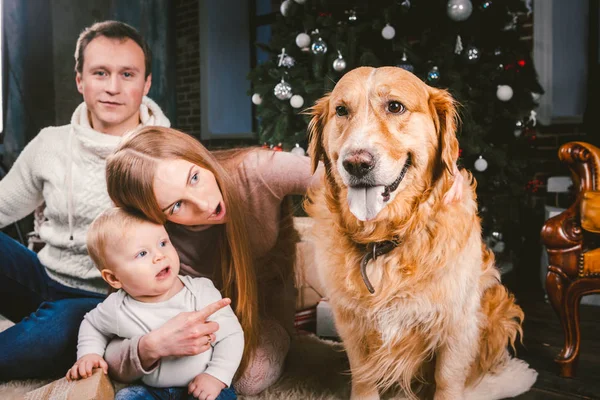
<point>359,163</point>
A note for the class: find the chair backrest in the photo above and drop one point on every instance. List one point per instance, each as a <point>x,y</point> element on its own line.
<point>590,211</point>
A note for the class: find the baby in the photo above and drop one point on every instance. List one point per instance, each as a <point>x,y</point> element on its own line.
<point>136,257</point>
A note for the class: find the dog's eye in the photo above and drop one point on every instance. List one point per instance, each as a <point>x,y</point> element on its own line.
<point>395,107</point>
<point>341,111</point>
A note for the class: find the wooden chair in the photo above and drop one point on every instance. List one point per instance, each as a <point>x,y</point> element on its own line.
<point>572,239</point>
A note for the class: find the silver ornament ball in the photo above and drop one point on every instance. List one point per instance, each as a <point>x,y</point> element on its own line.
<point>472,54</point>
<point>459,10</point>
<point>319,47</point>
<point>339,64</point>
<point>283,90</point>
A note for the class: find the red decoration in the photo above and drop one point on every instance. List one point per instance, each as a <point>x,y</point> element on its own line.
<point>279,147</point>
<point>521,63</point>
<point>460,151</point>
<point>534,185</point>
<point>265,145</point>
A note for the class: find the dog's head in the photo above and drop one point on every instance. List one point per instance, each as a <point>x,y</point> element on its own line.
<point>385,137</point>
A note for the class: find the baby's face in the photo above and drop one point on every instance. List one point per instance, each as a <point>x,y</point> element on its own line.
<point>145,261</point>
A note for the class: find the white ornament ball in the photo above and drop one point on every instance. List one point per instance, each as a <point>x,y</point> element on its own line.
<point>300,1</point>
<point>299,151</point>
<point>499,247</point>
<point>504,93</point>
<point>256,99</point>
<point>297,101</point>
<point>481,164</point>
<point>302,40</point>
<point>388,32</point>
<point>285,7</point>
<point>459,10</point>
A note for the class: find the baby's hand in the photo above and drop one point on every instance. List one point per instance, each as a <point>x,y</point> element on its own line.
<point>83,367</point>
<point>205,387</point>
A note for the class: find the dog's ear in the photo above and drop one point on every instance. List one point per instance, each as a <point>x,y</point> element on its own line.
<point>442,107</point>
<point>319,113</point>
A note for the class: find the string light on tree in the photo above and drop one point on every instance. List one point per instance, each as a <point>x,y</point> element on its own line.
<point>283,90</point>
<point>504,92</point>
<point>297,101</point>
<point>388,32</point>
<point>339,64</point>
<point>256,99</point>
<point>459,10</point>
<point>481,164</point>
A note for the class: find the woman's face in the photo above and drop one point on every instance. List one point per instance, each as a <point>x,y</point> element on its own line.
<point>188,194</point>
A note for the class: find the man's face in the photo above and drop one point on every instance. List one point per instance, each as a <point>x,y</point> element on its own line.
<point>112,84</point>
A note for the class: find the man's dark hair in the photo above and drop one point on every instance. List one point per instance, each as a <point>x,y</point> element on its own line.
<point>111,30</point>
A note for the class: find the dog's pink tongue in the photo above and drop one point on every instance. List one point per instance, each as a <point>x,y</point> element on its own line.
<point>365,203</point>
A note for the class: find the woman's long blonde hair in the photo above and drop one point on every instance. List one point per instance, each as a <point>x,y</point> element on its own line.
<point>130,181</point>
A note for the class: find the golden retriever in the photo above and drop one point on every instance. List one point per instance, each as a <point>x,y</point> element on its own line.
<point>416,297</point>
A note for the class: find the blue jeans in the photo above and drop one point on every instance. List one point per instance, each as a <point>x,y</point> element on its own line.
<point>43,343</point>
<point>143,392</point>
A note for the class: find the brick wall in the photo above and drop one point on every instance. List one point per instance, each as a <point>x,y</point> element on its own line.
<point>188,66</point>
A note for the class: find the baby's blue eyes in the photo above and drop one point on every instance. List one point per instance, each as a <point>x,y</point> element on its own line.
<point>163,243</point>
<point>141,254</point>
<point>194,178</point>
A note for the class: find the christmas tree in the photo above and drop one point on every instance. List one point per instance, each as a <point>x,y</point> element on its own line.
<point>471,48</point>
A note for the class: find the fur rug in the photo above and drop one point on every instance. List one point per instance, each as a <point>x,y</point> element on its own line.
<point>316,369</point>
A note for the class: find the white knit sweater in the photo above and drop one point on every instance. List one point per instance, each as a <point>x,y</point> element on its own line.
<point>64,167</point>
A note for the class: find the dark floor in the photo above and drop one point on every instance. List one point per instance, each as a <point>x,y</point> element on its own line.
<point>543,339</point>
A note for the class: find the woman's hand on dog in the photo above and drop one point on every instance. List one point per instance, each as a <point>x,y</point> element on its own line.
<point>456,191</point>
<point>186,334</point>
<point>85,365</point>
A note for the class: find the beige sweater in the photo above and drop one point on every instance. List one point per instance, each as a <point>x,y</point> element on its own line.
<point>262,179</point>
<point>64,166</point>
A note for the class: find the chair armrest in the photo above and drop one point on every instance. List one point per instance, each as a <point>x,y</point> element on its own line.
<point>562,235</point>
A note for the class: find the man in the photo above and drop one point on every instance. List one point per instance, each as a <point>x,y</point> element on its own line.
<point>47,294</point>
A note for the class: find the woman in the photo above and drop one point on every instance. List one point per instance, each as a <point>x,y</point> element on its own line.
<point>169,176</point>
<point>227,217</point>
